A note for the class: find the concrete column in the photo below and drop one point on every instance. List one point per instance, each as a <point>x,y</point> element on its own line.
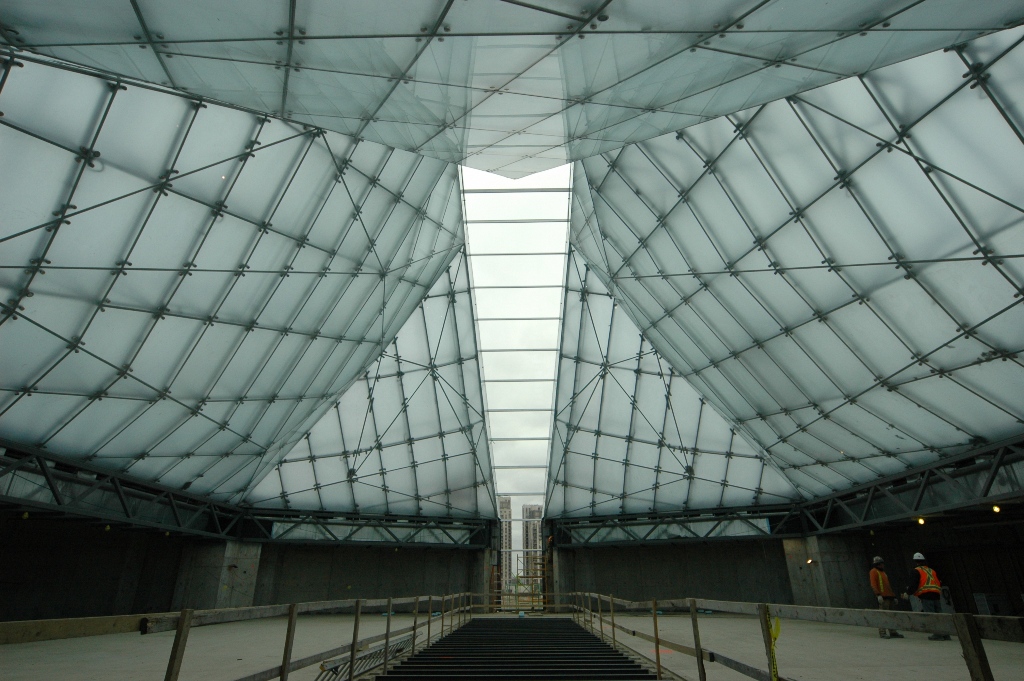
<point>480,571</point>
<point>836,576</point>
<point>217,575</point>
<point>556,565</point>
<point>130,573</point>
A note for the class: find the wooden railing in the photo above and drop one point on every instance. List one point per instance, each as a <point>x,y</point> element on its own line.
<point>596,612</point>
<point>970,629</point>
<point>454,610</point>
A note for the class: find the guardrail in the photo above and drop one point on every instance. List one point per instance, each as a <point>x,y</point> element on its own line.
<point>970,629</point>
<point>359,657</point>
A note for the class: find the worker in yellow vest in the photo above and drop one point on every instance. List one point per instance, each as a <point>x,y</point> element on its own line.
<point>883,592</point>
<point>925,584</point>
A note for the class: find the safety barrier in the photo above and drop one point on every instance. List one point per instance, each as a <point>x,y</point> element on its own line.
<point>364,655</point>
<point>970,629</point>
<point>359,656</point>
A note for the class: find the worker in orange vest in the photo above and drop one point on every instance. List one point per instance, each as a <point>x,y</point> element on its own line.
<point>925,584</point>
<point>883,592</point>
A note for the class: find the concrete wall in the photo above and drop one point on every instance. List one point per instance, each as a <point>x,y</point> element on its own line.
<point>729,570</point>
<point>54,569</point>
<point>294,574</point>
<point>217,574</point>
<point>837,574</point>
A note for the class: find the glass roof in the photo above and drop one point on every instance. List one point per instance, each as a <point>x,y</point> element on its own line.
<point>188,287</point>
<point>785,278</point>
<point>631,435</point>
<point>408,436</point>
<point>839,273</point>
<point>509,87</point>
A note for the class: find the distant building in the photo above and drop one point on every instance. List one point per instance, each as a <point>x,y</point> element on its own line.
<point>505,520</point>
<point>533,532</point>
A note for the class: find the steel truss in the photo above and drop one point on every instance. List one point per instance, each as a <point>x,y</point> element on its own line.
<point>987,475</point>
<point>33,481</point>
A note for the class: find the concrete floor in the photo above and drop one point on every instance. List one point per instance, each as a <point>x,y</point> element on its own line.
<point>813,651</point>
<point>806,651</point>
<point>219,652</point>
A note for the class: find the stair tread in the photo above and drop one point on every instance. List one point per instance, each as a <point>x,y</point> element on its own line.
<point>517,649</point>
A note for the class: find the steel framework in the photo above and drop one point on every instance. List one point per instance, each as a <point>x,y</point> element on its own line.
<point>33,481</point>
<point>987,475</point>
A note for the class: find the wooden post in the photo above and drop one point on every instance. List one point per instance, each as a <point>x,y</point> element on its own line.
<point>178,648</point>
<point>415,621</point>
<point>600,616</point>
<point>769,646</point>
<point>387,638</point>
<point>611,610</point>
<point>355,642</point>
<point>430,615</point>
<point>974,650</point>
<point>696,641</point>
<point>657,638</point>
<point>289,640</point>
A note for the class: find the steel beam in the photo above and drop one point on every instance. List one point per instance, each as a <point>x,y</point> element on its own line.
<point>38,482</point>
<point>985,475</point>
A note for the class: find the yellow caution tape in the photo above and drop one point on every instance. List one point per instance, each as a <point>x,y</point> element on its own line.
<point>776,626</point>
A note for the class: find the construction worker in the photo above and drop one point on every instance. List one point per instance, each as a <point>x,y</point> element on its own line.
<point>883,592</point>
<point>924,584</point>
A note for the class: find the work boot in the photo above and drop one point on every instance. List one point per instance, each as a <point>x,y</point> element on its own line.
<point>938,637</point>
<point>883,634</point>
<point>896,634</point>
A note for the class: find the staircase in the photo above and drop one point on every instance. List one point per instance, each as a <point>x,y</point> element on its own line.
<point>513,649</point>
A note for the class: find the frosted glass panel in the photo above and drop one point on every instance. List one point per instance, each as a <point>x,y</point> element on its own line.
<point>503,87</point>
<point>822,289</point>
<point>246,293</point>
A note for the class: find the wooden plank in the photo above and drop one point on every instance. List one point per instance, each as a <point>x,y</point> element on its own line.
<point>415,622</point>
<point>387,639</point>
<point>742,668</point>
<point>1000,628</point>
<point>27,631</point>
<point>765,618</point>
<point>289,641</point>
<point>974,650</point>
<point>611,610</point>
<point>178,647</point>
<point>698,652</point>
<point>355,644</point>
<point>657,639</point>
<point>168,621</point>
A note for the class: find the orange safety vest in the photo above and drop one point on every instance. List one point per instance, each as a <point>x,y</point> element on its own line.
<point>880,583</point>
<point>929,583</point>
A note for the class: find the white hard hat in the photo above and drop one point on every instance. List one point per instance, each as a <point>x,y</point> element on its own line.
<point>877,560</point>
<point>918,556</point>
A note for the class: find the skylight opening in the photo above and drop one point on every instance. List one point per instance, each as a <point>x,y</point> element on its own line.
<point>517,240</point>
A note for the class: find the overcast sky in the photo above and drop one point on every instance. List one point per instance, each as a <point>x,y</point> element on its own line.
<point>517,239</point>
